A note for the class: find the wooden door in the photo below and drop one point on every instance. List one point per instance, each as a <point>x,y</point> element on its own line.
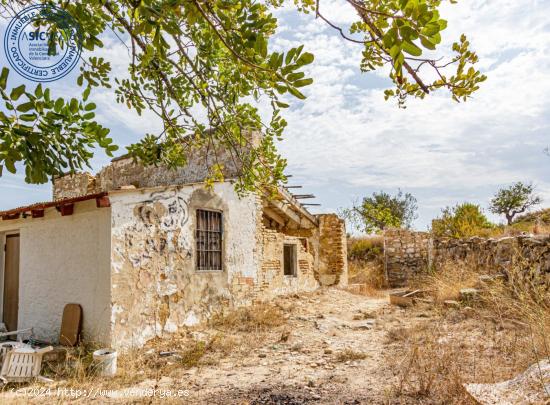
<point>11,282</point>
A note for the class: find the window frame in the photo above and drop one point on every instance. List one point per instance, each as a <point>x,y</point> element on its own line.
<point>294,262</point>
<point>198,234</point>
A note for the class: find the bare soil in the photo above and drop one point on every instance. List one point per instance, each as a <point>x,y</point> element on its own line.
<point>331,347</point>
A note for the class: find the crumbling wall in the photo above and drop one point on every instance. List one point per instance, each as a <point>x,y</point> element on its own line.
<point>333,264</point>
<point>155,286</point>
<point>271,277</point>
<point>74,185</point>
<point>125,172</point>
<point>407,253</point>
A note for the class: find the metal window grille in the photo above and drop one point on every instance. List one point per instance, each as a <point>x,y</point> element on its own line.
<point>209,240</point>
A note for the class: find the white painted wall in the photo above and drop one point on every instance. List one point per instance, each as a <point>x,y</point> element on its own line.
<point>64,260</point>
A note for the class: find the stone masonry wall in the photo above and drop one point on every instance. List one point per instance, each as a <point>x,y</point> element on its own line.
<point>333,251</point>
<point>407,253</point>
<point>74,185</point>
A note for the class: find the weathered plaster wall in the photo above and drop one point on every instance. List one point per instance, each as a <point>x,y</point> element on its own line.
<point>408,253</point>
<point>155,287</point>
<point>333,264</point>
<point>64,260</point>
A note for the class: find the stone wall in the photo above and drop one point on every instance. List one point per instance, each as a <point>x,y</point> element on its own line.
<point>333,248</point>
<point>124,171</point>
<point>74,185</point>
<point>407,253</point>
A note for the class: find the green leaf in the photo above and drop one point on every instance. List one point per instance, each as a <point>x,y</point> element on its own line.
<point>28,117</point>
<point>25,107</point>
<point>59,103</point>
<point>38,91</point>
<point>296,93</point>
<point>281,104</point>
<point>411,49</point>
<point>17,92</point>
<point>10,166</point>
<point>86,93</point>
<point>4,78</point>
<point>426,43</point>
<point>305,59</point>
<point>303,82</point>
<point>90,107</point>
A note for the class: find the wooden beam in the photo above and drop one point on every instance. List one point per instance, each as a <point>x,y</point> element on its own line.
<point>37,213</point>
<point>285,208</point>
<point>66,209</point>
<point>102,202</point>
<point>274,216</point>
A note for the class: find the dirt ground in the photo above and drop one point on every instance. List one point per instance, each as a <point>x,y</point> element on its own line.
<point>333,347</point>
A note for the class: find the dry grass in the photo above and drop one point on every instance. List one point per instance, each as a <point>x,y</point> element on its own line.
<point>508,331</point>
<point>446,283</point>
<point>349,355</point>
<point>398,334</point>
<point>256,318</point>
<point>366,264</point>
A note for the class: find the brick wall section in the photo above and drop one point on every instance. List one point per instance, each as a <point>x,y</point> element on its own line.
<point>407,253</point>
<point>333,265</point>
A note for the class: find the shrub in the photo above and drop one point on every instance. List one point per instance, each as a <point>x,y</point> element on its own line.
<point>462,220</point>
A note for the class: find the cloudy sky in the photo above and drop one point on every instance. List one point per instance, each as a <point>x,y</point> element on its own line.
<point>345,141</point>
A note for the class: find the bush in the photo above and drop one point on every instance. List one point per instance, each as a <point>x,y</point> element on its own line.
<point>461,221</point>
<point>369,248</point>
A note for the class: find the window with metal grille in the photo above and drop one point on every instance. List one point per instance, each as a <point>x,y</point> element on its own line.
<point>209,240</point>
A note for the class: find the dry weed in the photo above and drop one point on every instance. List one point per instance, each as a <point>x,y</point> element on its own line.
<point>508,332</point>
<point>398,334</point>
<point>446,283</point>
<point>349,355</point>
<point>256,318</point>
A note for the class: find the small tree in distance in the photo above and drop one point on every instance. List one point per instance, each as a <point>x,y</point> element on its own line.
<point>382,210</point>
<point>514,200</point>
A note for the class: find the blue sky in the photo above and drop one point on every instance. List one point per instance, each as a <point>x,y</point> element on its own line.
<point>345,141</point>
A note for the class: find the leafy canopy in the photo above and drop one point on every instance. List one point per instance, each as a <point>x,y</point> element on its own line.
<point>513,200</point>
<point>462,220</point>
<point>202,66</point>
<point>382,210</point>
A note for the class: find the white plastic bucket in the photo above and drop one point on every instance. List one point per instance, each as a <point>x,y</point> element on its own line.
<point>105,362</point>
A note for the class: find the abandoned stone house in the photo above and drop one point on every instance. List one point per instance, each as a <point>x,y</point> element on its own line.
<point>146,250</point>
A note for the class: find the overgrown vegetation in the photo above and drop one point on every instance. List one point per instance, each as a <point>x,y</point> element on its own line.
<point>507,330</point>
<point>366,262</point>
